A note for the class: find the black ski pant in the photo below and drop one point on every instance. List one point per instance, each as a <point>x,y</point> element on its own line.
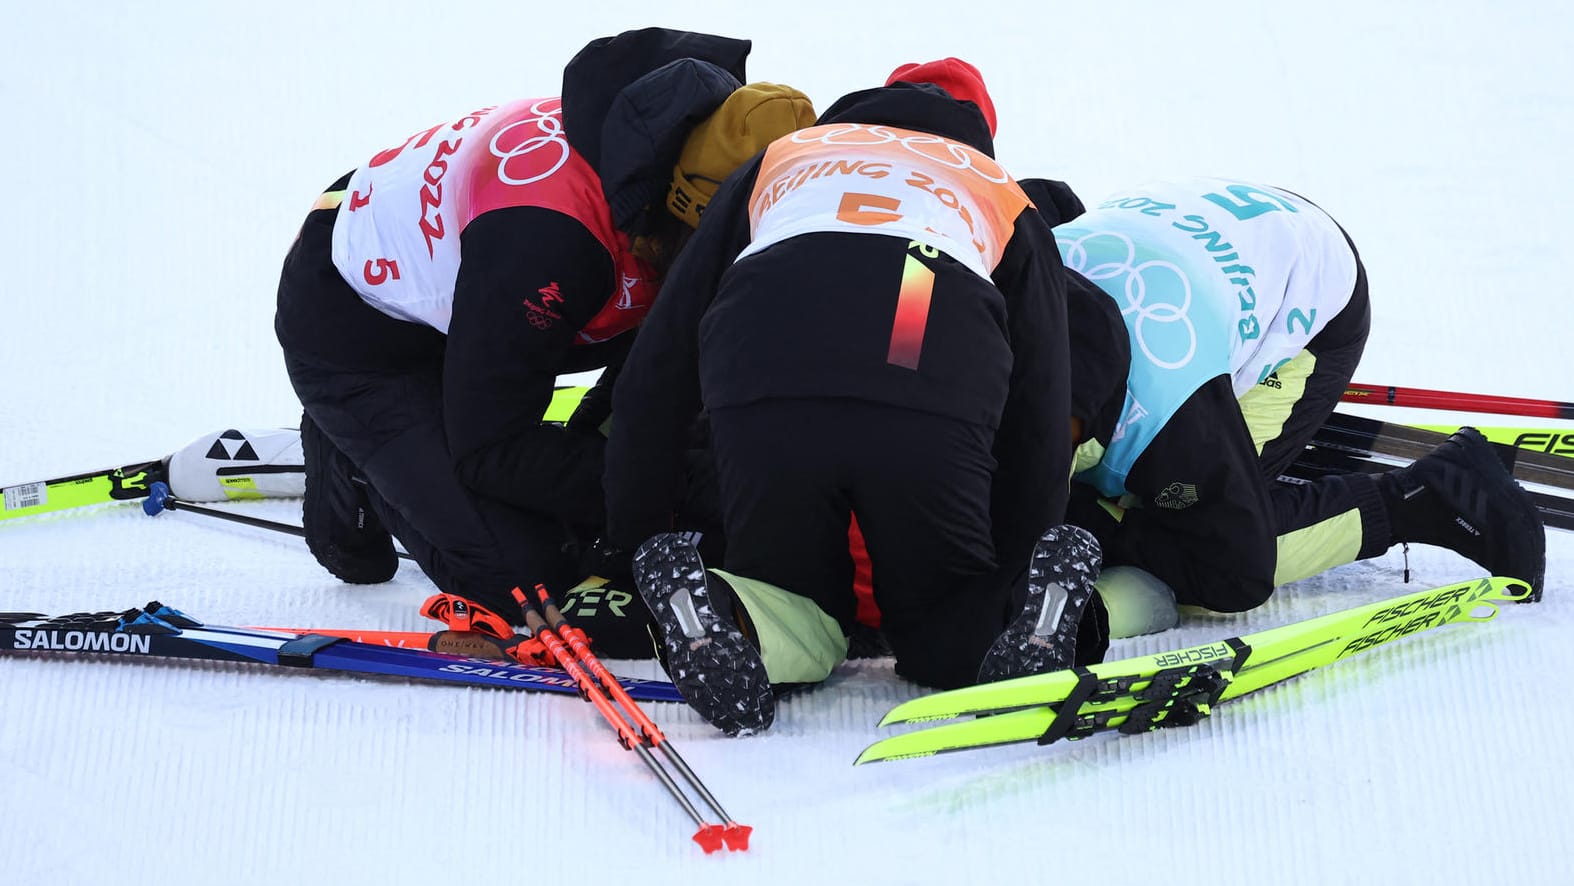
<point>791,473</point>
<point>372,385</point>
<point>1337,349</point>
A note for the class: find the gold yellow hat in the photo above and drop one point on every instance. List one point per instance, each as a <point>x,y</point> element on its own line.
<point>751,118</point>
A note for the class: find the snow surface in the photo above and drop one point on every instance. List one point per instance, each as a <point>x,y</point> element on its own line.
<point>160,158</point>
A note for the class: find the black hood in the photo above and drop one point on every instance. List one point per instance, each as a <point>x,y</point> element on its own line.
<point>629,102</point>
<point>921,107</point>
<point>1100,344</point>
<point>1055,200</point>
<point>1100,356</point>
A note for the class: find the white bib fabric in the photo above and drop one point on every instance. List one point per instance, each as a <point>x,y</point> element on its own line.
<point>1212,277</point>
<point>396,237</point>
<point>1272,266</point>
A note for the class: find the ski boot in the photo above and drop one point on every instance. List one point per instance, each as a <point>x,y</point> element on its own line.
<point>1062,623</point>
<point>341,529</point>
<point>1461,497</point>
<point>716,669</point>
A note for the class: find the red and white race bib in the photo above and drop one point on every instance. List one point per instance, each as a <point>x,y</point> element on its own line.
<point>396,238</point>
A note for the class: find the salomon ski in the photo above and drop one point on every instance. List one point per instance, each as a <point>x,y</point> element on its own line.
<point>161,632</point>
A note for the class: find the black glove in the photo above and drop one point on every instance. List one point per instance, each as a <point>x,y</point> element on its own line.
<point>1087,508</point>
<point>594,411</point>
<point>1092,633</point>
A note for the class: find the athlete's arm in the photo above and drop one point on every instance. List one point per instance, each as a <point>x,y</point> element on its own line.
<point>529,280</point>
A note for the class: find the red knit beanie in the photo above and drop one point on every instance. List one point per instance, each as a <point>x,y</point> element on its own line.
<point>956,77</point>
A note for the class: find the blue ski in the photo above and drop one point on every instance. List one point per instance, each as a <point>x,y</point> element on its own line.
<point>158,631</point>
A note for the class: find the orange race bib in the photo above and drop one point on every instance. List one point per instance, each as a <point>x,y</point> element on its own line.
<point>870,179</point>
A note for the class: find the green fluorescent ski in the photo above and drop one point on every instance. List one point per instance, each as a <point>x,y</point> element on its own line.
<point>1552,441</point>
<point>131,482</point>
<point>80,490</point>
<point>1027,708</point>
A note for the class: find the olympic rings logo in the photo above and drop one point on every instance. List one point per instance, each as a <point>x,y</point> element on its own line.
<point>549,124</point>
<point>953,155</point>
<point>1157,291</point>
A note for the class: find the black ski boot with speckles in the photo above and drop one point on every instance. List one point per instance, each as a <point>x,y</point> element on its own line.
<point>1060,597</point>
<point>716,668</point>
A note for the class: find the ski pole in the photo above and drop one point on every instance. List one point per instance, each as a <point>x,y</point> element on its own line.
<point>736,835</point>
<point>710,836</point>
<point>631,740</point>
<point>1389,395</point>
<point>161,499</point>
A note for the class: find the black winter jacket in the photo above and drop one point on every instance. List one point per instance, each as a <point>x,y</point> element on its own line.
<point>814,316</point>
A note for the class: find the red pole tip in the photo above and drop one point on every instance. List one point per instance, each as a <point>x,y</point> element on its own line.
<point>737,836</point>
<point>709,837</point>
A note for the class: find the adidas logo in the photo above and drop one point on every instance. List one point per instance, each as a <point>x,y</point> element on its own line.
<point>232,446</point>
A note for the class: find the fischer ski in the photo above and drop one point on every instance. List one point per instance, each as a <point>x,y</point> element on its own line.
<point>1548,441</point>
<point>220,466</point>
<point>1557,511</point>
<point>1368,437</point>
<point>125,483</point>
<point>161,632</point>
<point>1179,687</point>
<point>224,465</point>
